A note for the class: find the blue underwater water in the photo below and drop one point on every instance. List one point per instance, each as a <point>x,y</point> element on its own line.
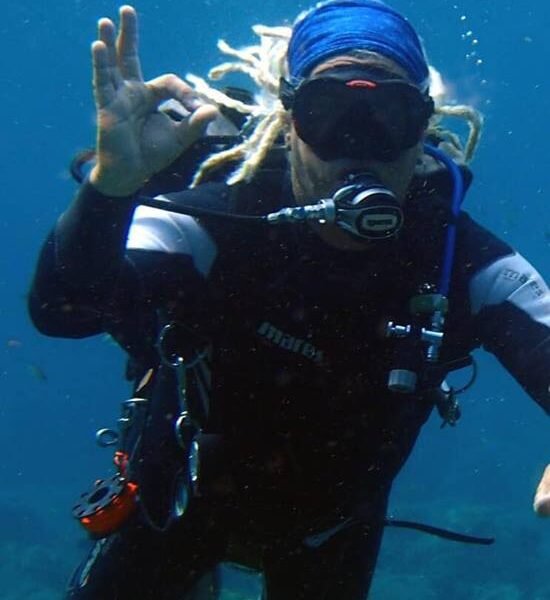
<point>478,477</point>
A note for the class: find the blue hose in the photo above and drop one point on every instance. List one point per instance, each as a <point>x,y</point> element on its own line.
<point>458,197</point>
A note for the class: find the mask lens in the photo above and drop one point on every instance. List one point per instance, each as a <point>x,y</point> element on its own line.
<point>360,120</point>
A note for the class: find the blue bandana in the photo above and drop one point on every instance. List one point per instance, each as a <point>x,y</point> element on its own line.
<point>339,26</point>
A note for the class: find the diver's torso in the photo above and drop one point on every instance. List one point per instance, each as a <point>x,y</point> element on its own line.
<point>298,360</point>
<point>299,364</point>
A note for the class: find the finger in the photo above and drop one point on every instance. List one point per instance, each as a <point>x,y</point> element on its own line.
<point>193,128</point>
<point>106,33</point>
<point>203,115</point>
<point>127,44</point>
<point>104,88</point>
<point>171,86</point>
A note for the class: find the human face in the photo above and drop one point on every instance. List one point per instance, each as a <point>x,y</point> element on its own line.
<point>314,178</point>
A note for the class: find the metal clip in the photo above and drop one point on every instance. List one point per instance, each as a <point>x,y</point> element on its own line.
<point>106,437</point>
<point>128,411</point>
<point>447,405</point>
<point>167,353</point>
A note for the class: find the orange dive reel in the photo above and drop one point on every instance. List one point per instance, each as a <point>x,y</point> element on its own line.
<point>109,503</point>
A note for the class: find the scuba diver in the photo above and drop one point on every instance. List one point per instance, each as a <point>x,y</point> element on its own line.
<point>292,278</point>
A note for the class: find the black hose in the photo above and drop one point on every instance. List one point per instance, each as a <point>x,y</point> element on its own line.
<point>437,531</point>
<point>194,211</point>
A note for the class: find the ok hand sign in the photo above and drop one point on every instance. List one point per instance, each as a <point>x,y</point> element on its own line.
<point>134,139</point>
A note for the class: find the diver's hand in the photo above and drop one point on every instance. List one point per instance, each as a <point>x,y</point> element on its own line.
<point>134,140</point>
<point>541,504</point>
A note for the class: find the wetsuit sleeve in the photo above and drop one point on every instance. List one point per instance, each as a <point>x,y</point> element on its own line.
<point>510,303</point>
<point>107,264</point>
<point>80,264</point>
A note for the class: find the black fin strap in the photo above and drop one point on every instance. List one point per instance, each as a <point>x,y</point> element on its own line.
<point>442,533</point>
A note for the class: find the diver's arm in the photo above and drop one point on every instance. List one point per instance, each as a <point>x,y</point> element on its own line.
<point>510,305</point>
<point>83,257</point>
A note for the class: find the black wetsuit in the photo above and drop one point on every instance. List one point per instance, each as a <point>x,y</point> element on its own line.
<point>294,373</point>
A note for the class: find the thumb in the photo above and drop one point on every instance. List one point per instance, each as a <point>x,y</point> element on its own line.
<point>541,504</point>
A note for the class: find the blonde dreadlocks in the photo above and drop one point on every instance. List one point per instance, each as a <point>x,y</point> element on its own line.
<point>265,64</point>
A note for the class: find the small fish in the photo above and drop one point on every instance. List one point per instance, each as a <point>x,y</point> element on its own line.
<point>145,380</point>
<point>14,343</point>
<point>37,372</point>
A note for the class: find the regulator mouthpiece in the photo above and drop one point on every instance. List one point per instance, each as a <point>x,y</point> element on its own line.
<point>367,209</point>
<point>362,206</point>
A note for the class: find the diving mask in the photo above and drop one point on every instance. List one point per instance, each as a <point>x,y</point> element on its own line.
<point>357,113</point>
